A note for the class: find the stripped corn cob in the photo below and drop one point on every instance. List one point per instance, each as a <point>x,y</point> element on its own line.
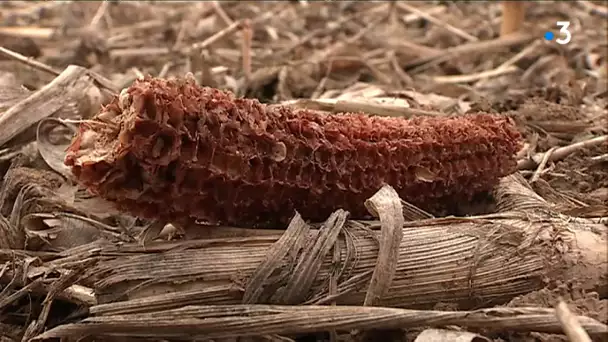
<point>174,150</point>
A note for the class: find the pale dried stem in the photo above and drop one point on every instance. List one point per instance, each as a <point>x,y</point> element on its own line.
<point>513,14</point>
<point>28,61</point>
<point>456,260</point>
<point>101,11</point>
<point>221,13</point>
<point>101,81</point>
<point>64,96</point>
<point>233,321</point>
<point>520,55</point>
<point>542,164</point>
<point>477,48</point>
<point>28,32</point>
<point>246,48</point>
<point>214,38</point>
<point>601,10</point>
<point>437,22</point>
<point>475,76</point>
<point>569,321</point>
<point>561,152</point>
<point>137,52</point>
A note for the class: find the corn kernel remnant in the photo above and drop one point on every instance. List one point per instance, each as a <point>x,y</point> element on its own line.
<point>174,150</point>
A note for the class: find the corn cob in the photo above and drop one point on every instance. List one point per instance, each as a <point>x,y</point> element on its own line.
<point>174,150</point>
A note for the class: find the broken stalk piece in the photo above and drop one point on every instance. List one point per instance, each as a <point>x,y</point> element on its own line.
<point>513,15</point>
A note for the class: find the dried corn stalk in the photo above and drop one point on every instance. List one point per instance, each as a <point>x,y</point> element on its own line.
<point>513,16</point>
<point>174,150</point>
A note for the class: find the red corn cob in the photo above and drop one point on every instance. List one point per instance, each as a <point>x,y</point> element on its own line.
<point>174,150</point>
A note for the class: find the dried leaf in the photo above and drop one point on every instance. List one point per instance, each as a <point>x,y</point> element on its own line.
<point>96,206</point>
<point>11,237</point>
<point>424,174</point>
<point>53,138</point>
<point>443,335</point>
<point>10,92</point>
<point>70,94</point>
<point>386,205</point>
<point>63,231</point>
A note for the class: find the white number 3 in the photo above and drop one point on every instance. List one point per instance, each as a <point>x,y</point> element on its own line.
<point>564,31</point>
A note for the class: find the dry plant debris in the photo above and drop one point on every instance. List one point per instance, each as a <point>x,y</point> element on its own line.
<point>172,150</point>
<point>513,15</point>
<point>137,283</point>
<point>69,259</point>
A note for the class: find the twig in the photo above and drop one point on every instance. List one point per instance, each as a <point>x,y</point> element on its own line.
<point>600,158</point>
<point>524,151</point>
<point>9,299</point>
<point>448,27</point>
<point>405,78</point>
<point>137,72</point>
<point>59,97</point>
<point>319,88</point>
<point>143,25</point>
<point>523,53</point>
<point>533,69</point>
<point>561,152</point>
<point>28,61</point>
<point>410,48</point>
<point>35,8</point>
<point>165,69</point>
<point>593,8</point>
<point>221,13</point>
<point>426,62</point>
<point>475,76</point>
<point>529,49</point>
<point>56,289</point>
<point>570,324</point>
<point>542,164</point>
<point>214,38</point>
<point>410,18</point>
<point>101,11</point>
<point>225,321</point>
<point>246,48</point>
<point>311,34</point>
<point>28,32</point>
<point>333,49</point>
<point>136,52</point>
<point>181,33</point>
<point>314,33</point>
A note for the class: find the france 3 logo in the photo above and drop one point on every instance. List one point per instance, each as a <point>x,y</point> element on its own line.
<point>564,32</point>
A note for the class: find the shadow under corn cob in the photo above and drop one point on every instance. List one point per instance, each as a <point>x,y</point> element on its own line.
<point>174,150</point>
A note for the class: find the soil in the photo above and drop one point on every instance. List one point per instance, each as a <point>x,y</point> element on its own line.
<point>579,302</point>
<point>555,117</point>
<point>580,176</point>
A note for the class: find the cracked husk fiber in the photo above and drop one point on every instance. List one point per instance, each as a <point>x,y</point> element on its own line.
<point>174,150</point>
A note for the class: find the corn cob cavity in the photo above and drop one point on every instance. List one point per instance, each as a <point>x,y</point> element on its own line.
<point>176,151</point>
